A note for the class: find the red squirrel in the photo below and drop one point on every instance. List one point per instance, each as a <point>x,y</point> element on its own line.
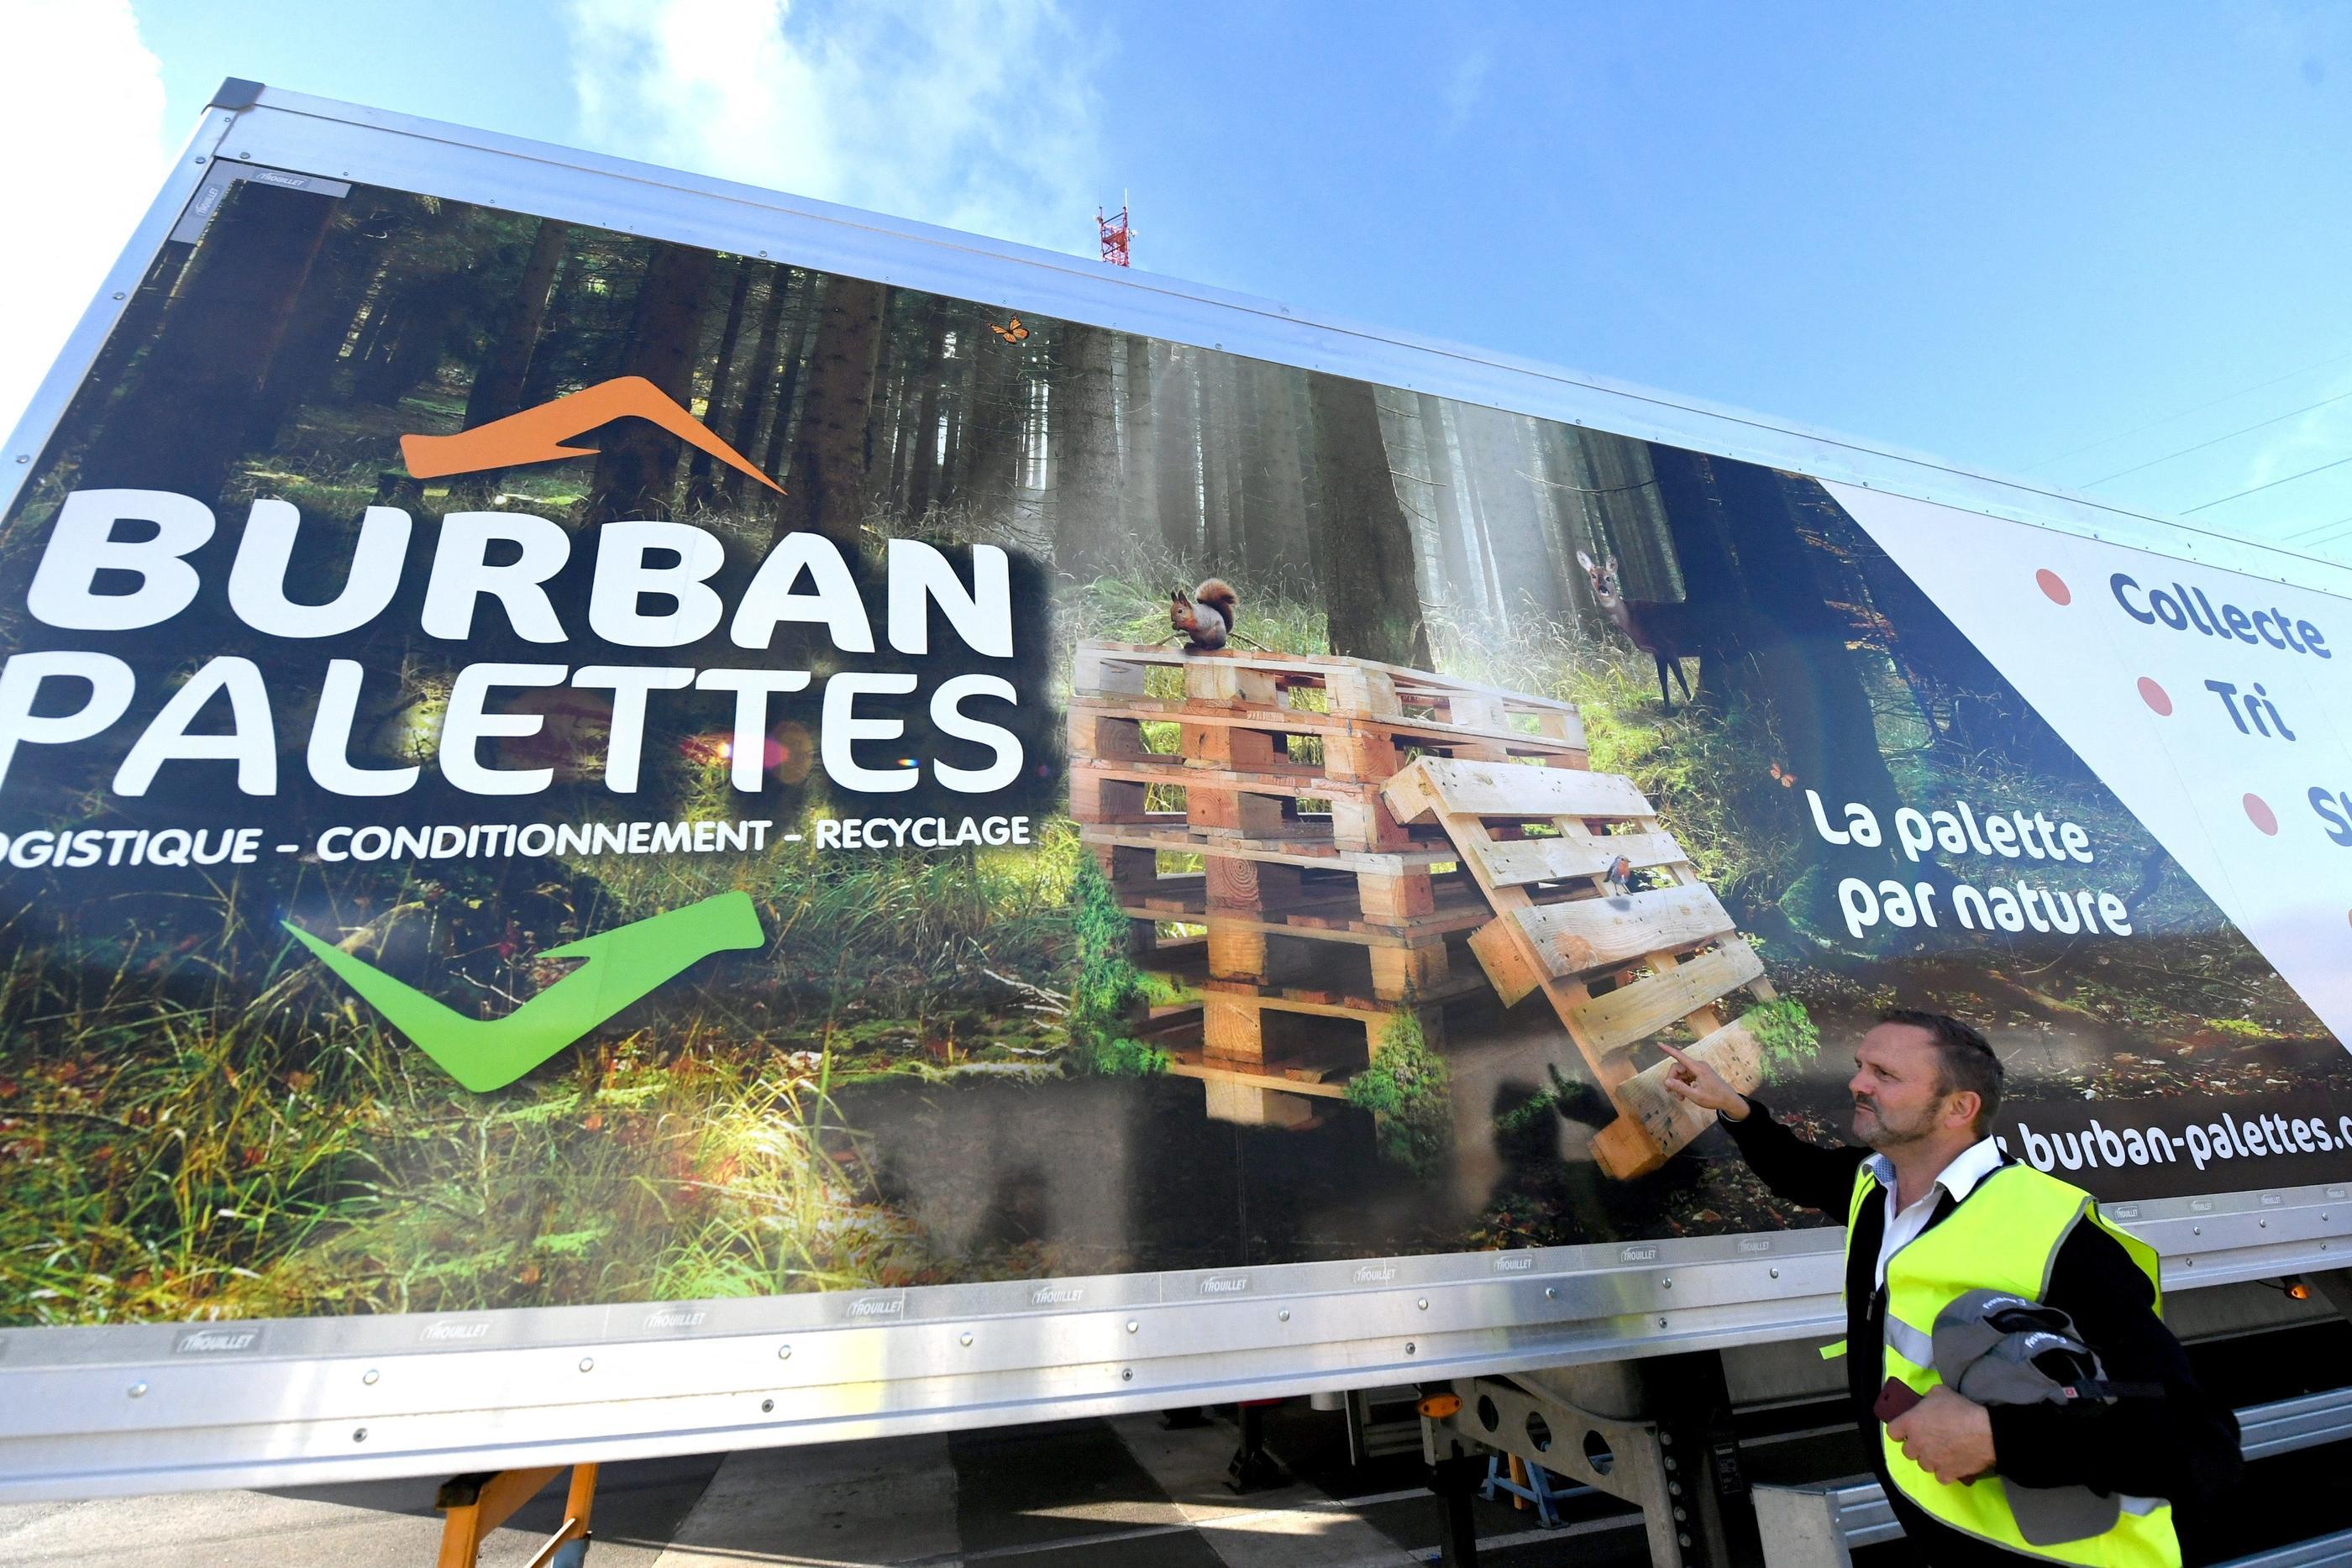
<point>1207,618</point>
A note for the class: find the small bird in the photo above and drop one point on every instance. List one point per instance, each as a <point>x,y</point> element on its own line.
<point>1206,619</point>
<point>1621,875</point>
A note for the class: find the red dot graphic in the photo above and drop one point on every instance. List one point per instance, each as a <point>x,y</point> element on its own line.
<point>2155,696</point>
<point>2259,812</point>
<point>2051,583</point>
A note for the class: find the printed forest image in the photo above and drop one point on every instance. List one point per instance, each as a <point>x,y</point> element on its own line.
<point>878,790</point>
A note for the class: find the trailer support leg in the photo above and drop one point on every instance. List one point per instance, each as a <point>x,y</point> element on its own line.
<point>1252,1468</point>
<point>472,1506</point>
<point>1714,1518</point>
<point>1455,1481</point>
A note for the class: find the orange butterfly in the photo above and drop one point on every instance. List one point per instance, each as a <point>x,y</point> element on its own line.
<point>1011,334</point>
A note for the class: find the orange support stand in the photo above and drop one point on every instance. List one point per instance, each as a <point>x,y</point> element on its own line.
<point>473,1506</point>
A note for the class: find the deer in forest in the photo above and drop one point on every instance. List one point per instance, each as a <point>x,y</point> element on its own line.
<point>1661,630</point>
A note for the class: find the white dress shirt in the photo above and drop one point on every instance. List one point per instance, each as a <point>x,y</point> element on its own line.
<point>1960,1179</point>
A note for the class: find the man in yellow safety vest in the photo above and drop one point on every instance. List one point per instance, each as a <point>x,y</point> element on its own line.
<point>1936,1209</point>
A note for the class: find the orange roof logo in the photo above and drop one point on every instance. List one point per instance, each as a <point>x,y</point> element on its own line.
<point>539,435</point>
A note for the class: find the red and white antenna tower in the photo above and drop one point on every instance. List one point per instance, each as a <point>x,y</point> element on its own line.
<point>1116,232</point>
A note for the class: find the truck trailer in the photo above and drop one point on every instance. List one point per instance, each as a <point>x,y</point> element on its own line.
<point>779,825</point>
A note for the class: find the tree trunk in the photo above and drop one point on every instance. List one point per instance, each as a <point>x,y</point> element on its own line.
<point>947,489</point>
<point>993,428</point>
<point>1631,505</point>
<point>1462,590</point>
<point>497,384</point>
<point>636,464</point>
<point>743,422</point>
<point>701,487</point>
<point>1372,594</point>
<point>1475,509</point>
<point>180,426</point>
<point>1175,455</point>
<point>1213,381</point>
<point>1280,517</point>
<point>314,337</point>
<point>923,474</point>
<point>1138,500</point>
<point>826,481</point>
<point>1086,446</point>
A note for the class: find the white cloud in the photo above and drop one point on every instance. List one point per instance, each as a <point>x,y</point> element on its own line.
<point>977,116</point>
<point>85,113</point>
<point>1465,85</point>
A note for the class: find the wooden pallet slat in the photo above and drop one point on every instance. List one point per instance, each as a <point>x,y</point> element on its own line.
<point>1558,735</point>
<point>1435,787</point>
<point>1511,863</point>
<point>1654,1121</point>
<point>1594,936</point>
<point>1640,1008</point>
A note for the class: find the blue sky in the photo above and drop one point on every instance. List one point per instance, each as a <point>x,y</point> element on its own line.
<point>1999,234</point>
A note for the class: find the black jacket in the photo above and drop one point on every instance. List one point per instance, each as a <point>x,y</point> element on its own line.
<point>2182,1447</point>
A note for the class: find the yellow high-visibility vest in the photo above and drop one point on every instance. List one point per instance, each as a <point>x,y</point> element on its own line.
<point>2005,1237</point>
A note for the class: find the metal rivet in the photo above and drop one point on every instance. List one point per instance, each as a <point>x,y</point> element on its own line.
<point>1667,1283</point>
<point>359,1434</point>
<point>1132,1325</point>
<point>138,1391</point>
<point>1283,1315</point>
<point>963,1338</point>
<point>1127,1375</point>
<point>2261,1225</point>
<point>117,294</point>
<point>1775,1273</point>
<point>1551,1293</point>
<point>1662,1322</point>
<point>784,1352</point>
<point>23,458</point>
<point>199,159</point>
<point>766,1406</point>
<point>247,155</point>
<point>587,1364</point>
<point>370,1376</point>
<point>2196,1230</point>
<point>1409,1347</point>
<point>1423,1303</point>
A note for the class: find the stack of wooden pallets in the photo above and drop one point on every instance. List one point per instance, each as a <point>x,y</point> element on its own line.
<point>1234,799</point>
<point>1321,843</point>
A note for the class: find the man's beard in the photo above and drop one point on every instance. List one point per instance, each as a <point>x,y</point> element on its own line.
<point>1880,1135</point>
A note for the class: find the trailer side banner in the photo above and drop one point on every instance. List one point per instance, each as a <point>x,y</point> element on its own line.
<point>542,766</point>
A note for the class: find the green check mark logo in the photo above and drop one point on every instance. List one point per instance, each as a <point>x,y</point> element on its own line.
<point>620,967</point>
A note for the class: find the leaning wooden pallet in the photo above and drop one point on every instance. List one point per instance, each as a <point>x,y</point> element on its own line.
<point>1237,795</point>
<point>1557,853</point>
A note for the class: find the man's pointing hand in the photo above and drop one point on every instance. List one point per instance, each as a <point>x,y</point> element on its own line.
<point>1703,1086</point>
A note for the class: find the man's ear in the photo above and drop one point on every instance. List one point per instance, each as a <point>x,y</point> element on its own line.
<point>1963,1109</point>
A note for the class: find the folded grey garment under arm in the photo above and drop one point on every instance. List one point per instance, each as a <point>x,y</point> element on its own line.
<point>1996,1348</point>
